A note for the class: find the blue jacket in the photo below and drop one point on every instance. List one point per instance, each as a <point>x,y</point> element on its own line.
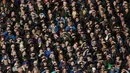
<point>68,28</point>
<point>47,53</point>
<point>7,37</point>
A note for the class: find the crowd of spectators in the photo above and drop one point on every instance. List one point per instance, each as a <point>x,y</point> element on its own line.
<point>64,36</point>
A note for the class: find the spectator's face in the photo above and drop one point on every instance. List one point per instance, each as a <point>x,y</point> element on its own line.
<point>97,0</point>
<point>126,5</point>
<point>99,57</point>
<point>103,67</point>
<point>12,14</point>
<point>44,63</point>
<point>79,26</point>
<point>3,51</point>
<point>61,26</point>
<point>2,38</point>
<point>33,31</point>
<point>58,49</point>
<point>30,22</point>
<point>68,48</point>
<point>98,65</point>
<point>89,59</point>
<point>126,10</point>
<point>64,3</point>
<point>106,32</point>
<point>43,25</point>
<point>74,8</point>
<point>88,30</point>
<point>75,45</point>
<point>97,31</point>
<point>35,64</point>
<point>3,46</point>
<point>41,51</point>
<point>50,16</point>
<point>57,43</point>
<point>28,36</point>
<point>48,49</point>
<point>91,35</point>
<point>17,33</point>
<point>13,53</point>
<point>72,63</point>
<point>117,59</point>
<point>35,70</point>
<point>24,54</point>
<point>62,45</point>
<point>110,11</point>
<point>64,71</point>
<point>1,9</point>
<point>32,49</point>
<point>20,70</point>
<point>5,62</point>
